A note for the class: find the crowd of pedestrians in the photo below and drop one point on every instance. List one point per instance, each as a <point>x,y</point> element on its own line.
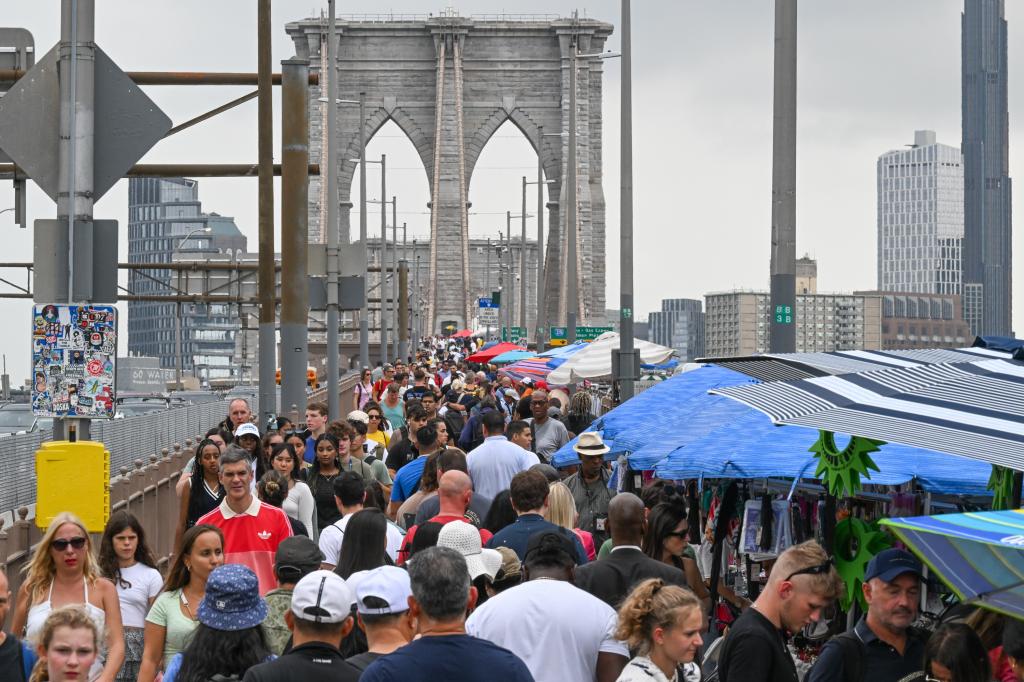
<point>425,535</point>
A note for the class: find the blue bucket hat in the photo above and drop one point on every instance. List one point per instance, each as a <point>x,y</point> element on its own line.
<point>232,600</point>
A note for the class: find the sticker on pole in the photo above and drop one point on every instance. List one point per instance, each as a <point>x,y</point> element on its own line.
<point>74,348</point>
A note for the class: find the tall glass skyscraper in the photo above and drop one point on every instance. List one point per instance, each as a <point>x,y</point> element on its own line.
<point>166,222</point>
<point>920,217</point>
<point>987,263</point>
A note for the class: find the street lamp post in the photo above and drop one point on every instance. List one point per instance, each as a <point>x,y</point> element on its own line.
<point>627,362</point>
<point>540,182</point>
<point>394,277</point>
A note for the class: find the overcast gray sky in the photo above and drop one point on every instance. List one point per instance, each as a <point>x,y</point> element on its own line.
<point>870,73</point>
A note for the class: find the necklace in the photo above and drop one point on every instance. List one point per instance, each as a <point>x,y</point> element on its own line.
<point>184,602</point>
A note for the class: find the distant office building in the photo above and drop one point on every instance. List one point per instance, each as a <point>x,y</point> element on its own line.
<point>987,249</point>
<point>165,223</point>
<point>920,217</point>
<point>806,275</point>
<point>679,325</point>
<point>911,320</point>
<point>737,323</point>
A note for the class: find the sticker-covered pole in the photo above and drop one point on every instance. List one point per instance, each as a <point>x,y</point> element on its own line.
<point>75,153</point>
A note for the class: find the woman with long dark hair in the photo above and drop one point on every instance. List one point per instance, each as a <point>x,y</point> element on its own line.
<point>203,492</point>
<point>363,392</point>
<point>299,503</point>
<point>365,544</point>
<point>267,443</point>
<point>172,619</point>
<point>954,653</point>
<point>228,640</point>
<point>666,540</point>
<point>326,467</point>
<point>126,560</point>
<point>501,513</point>
<point>377,426</point>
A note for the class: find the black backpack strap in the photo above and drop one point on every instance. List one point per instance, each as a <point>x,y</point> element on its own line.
<point>853,652</point>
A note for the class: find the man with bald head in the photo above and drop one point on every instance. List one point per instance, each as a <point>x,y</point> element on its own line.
<point>612,578</point>
<point>454,492</point>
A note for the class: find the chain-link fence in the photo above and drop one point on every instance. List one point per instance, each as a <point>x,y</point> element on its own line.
<point>127,439</point>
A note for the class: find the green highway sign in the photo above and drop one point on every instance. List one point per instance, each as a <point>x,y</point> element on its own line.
<point>590,333</point>
<point>559,333</point>
<point>512,333</point>
<point>783,314</point>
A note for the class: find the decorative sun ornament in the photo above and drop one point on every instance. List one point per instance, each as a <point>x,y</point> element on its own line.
<point>856,543</point>
<point>840,470</point>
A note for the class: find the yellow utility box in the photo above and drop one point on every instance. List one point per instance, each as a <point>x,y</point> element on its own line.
<point>73,477</point>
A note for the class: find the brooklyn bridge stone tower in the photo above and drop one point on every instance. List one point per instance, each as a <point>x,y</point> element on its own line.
<point>449,82</point>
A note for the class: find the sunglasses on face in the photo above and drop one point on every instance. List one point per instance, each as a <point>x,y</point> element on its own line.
<point>374,416</point>
<point>684,533</point>
<point>62,544</point>
<point>813,570</point>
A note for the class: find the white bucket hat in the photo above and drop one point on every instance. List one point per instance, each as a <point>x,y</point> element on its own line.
<point>465,539</point>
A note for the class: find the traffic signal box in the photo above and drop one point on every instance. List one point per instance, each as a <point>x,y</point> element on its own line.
<point>73,477</point>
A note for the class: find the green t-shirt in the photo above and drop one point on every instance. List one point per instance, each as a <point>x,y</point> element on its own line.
<point>275,631</point>
<point>166,613</point>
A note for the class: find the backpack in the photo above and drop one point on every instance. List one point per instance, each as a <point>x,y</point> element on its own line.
<point>476,437</point>
<point>854,652</point>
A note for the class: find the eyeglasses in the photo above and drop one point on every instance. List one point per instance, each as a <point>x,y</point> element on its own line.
<point>813,570</point>
<point>373,416</point>
<point>62,544</point>
<point>678,533</point>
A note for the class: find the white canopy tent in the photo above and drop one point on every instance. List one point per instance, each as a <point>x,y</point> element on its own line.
<point>594,361</point>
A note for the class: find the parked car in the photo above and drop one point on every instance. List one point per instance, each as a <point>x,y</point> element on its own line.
<point>18,418</point>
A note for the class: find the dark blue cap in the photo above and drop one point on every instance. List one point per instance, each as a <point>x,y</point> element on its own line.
<point>889,563</point>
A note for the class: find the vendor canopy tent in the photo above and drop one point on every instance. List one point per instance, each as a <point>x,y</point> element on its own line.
<point>512,356</point>
<point>595,360</point>
<point>973,409</point>
<point>790,366</point>
<point>980,556</point>
<point>485,354</point>
<point>681,431</point>
<point>539,367</point>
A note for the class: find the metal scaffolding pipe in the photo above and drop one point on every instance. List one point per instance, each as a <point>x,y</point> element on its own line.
<point>179,77</point>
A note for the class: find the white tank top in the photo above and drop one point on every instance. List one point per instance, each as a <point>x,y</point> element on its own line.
<point>38,613</point>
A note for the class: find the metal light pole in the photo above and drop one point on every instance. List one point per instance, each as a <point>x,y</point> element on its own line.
<point>782,337</point>
<point>627,363</point>
<point>383,253</point>
<point>333,237</point>
<point>394,277</point>
<point>511,280</point>
<point>364,322</point>
<point>522,265</point>
<point>268,308</point>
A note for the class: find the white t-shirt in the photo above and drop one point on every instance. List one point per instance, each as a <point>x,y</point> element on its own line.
<point>555,627</point>
<point>332,536</point>
<point>145,585</point>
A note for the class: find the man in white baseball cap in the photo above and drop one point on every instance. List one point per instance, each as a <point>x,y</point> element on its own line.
<point>319,618</point>
<point>382,603</point>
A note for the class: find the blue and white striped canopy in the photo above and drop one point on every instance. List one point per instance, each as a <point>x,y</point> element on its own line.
<point>980,556</point>
<point>790,366</point>
<point>973,409</point>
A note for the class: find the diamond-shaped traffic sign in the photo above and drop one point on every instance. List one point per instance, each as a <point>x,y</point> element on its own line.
<point>126,124</point>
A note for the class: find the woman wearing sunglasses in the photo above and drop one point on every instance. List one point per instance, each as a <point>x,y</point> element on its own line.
<point>63,572</point>
<point>377,427</point>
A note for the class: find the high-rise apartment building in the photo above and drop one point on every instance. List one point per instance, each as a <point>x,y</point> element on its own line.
<point>920,217</point>
<point>987,192</point>
<point>738,323</point>
<point>165,223</point>
<point>679,325</point>
<point>912,320</point>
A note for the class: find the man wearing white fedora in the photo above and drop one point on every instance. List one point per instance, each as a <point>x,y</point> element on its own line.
<point>589,486</point>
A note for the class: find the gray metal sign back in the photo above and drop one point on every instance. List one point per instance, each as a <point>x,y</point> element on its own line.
<point>127,123</point>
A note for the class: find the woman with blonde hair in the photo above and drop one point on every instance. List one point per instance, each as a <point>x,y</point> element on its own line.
<point>69,644</point>
<point>562,512</point>
<point>662,623</point>
<point>63,572</point>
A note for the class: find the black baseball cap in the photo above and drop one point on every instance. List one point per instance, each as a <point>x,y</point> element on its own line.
<point>298,552</point>
<point>890,563</point>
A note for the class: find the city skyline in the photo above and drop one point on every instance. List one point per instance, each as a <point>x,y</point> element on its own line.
<point>702,130</point>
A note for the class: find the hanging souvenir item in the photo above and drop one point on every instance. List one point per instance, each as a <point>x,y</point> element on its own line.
<point>755,525</point>
<point>1001,485</point>
<point>856,543</point>
<point>840,470</point>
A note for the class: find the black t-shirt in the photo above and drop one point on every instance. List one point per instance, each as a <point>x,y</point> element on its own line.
<point>754,650</point>
<point>402,453</point>
<point>10,660</point>
<point>310,662</point>
<point>363,660</point>
<point>452,658</point>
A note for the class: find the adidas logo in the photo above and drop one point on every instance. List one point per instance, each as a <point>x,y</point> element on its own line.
<point>264,534</point>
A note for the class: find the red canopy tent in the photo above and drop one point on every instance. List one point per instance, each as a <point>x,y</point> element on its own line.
<point>494,351</point>
<point>464,334</point>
